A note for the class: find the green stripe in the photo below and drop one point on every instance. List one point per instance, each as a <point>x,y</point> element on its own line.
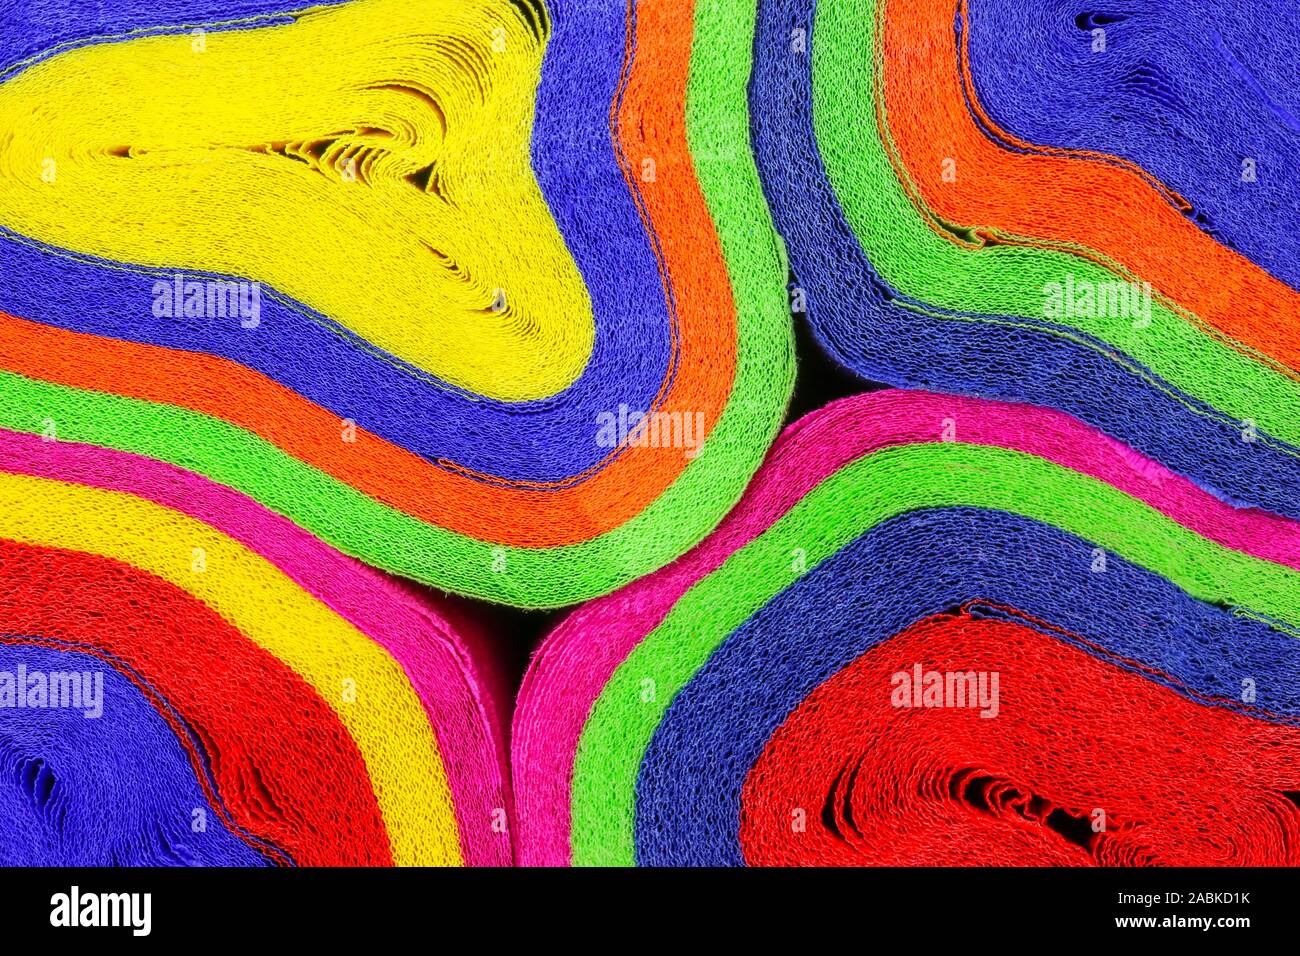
<point>1002,280</point>
<point>845,506</point>
<point>717,124</point>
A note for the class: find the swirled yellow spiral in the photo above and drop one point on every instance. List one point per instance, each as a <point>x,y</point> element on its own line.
<point>370,160</point>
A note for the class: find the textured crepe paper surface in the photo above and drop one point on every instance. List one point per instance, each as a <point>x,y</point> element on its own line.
<point>936,217</point>
<point>1235,57</point>
<point>266,699</point>
<point>735,707</point>
<point>484,246</point>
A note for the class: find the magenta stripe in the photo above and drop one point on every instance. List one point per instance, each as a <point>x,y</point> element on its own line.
<point>573,664</point>
<point>442,665</point>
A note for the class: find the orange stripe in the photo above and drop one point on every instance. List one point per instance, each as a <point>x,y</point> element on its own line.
<point>650,124</point>
<point>1108,208</point>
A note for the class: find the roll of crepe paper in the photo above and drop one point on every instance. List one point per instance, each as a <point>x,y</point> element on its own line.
<point>482,293</point>
<point>935,630</point>
<point>1217,115</point>
<point>952,228</point>
<point>189,678</point>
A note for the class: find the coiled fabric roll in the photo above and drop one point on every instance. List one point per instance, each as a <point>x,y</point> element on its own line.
<point>189,678</point>
<point>1128,93</point>
<point>500,303</point>
<point>935,630</point>
<point>953,225</point>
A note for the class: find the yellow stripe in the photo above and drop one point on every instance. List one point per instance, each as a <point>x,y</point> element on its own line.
<point>386,719</point>
<point>370,160</point>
